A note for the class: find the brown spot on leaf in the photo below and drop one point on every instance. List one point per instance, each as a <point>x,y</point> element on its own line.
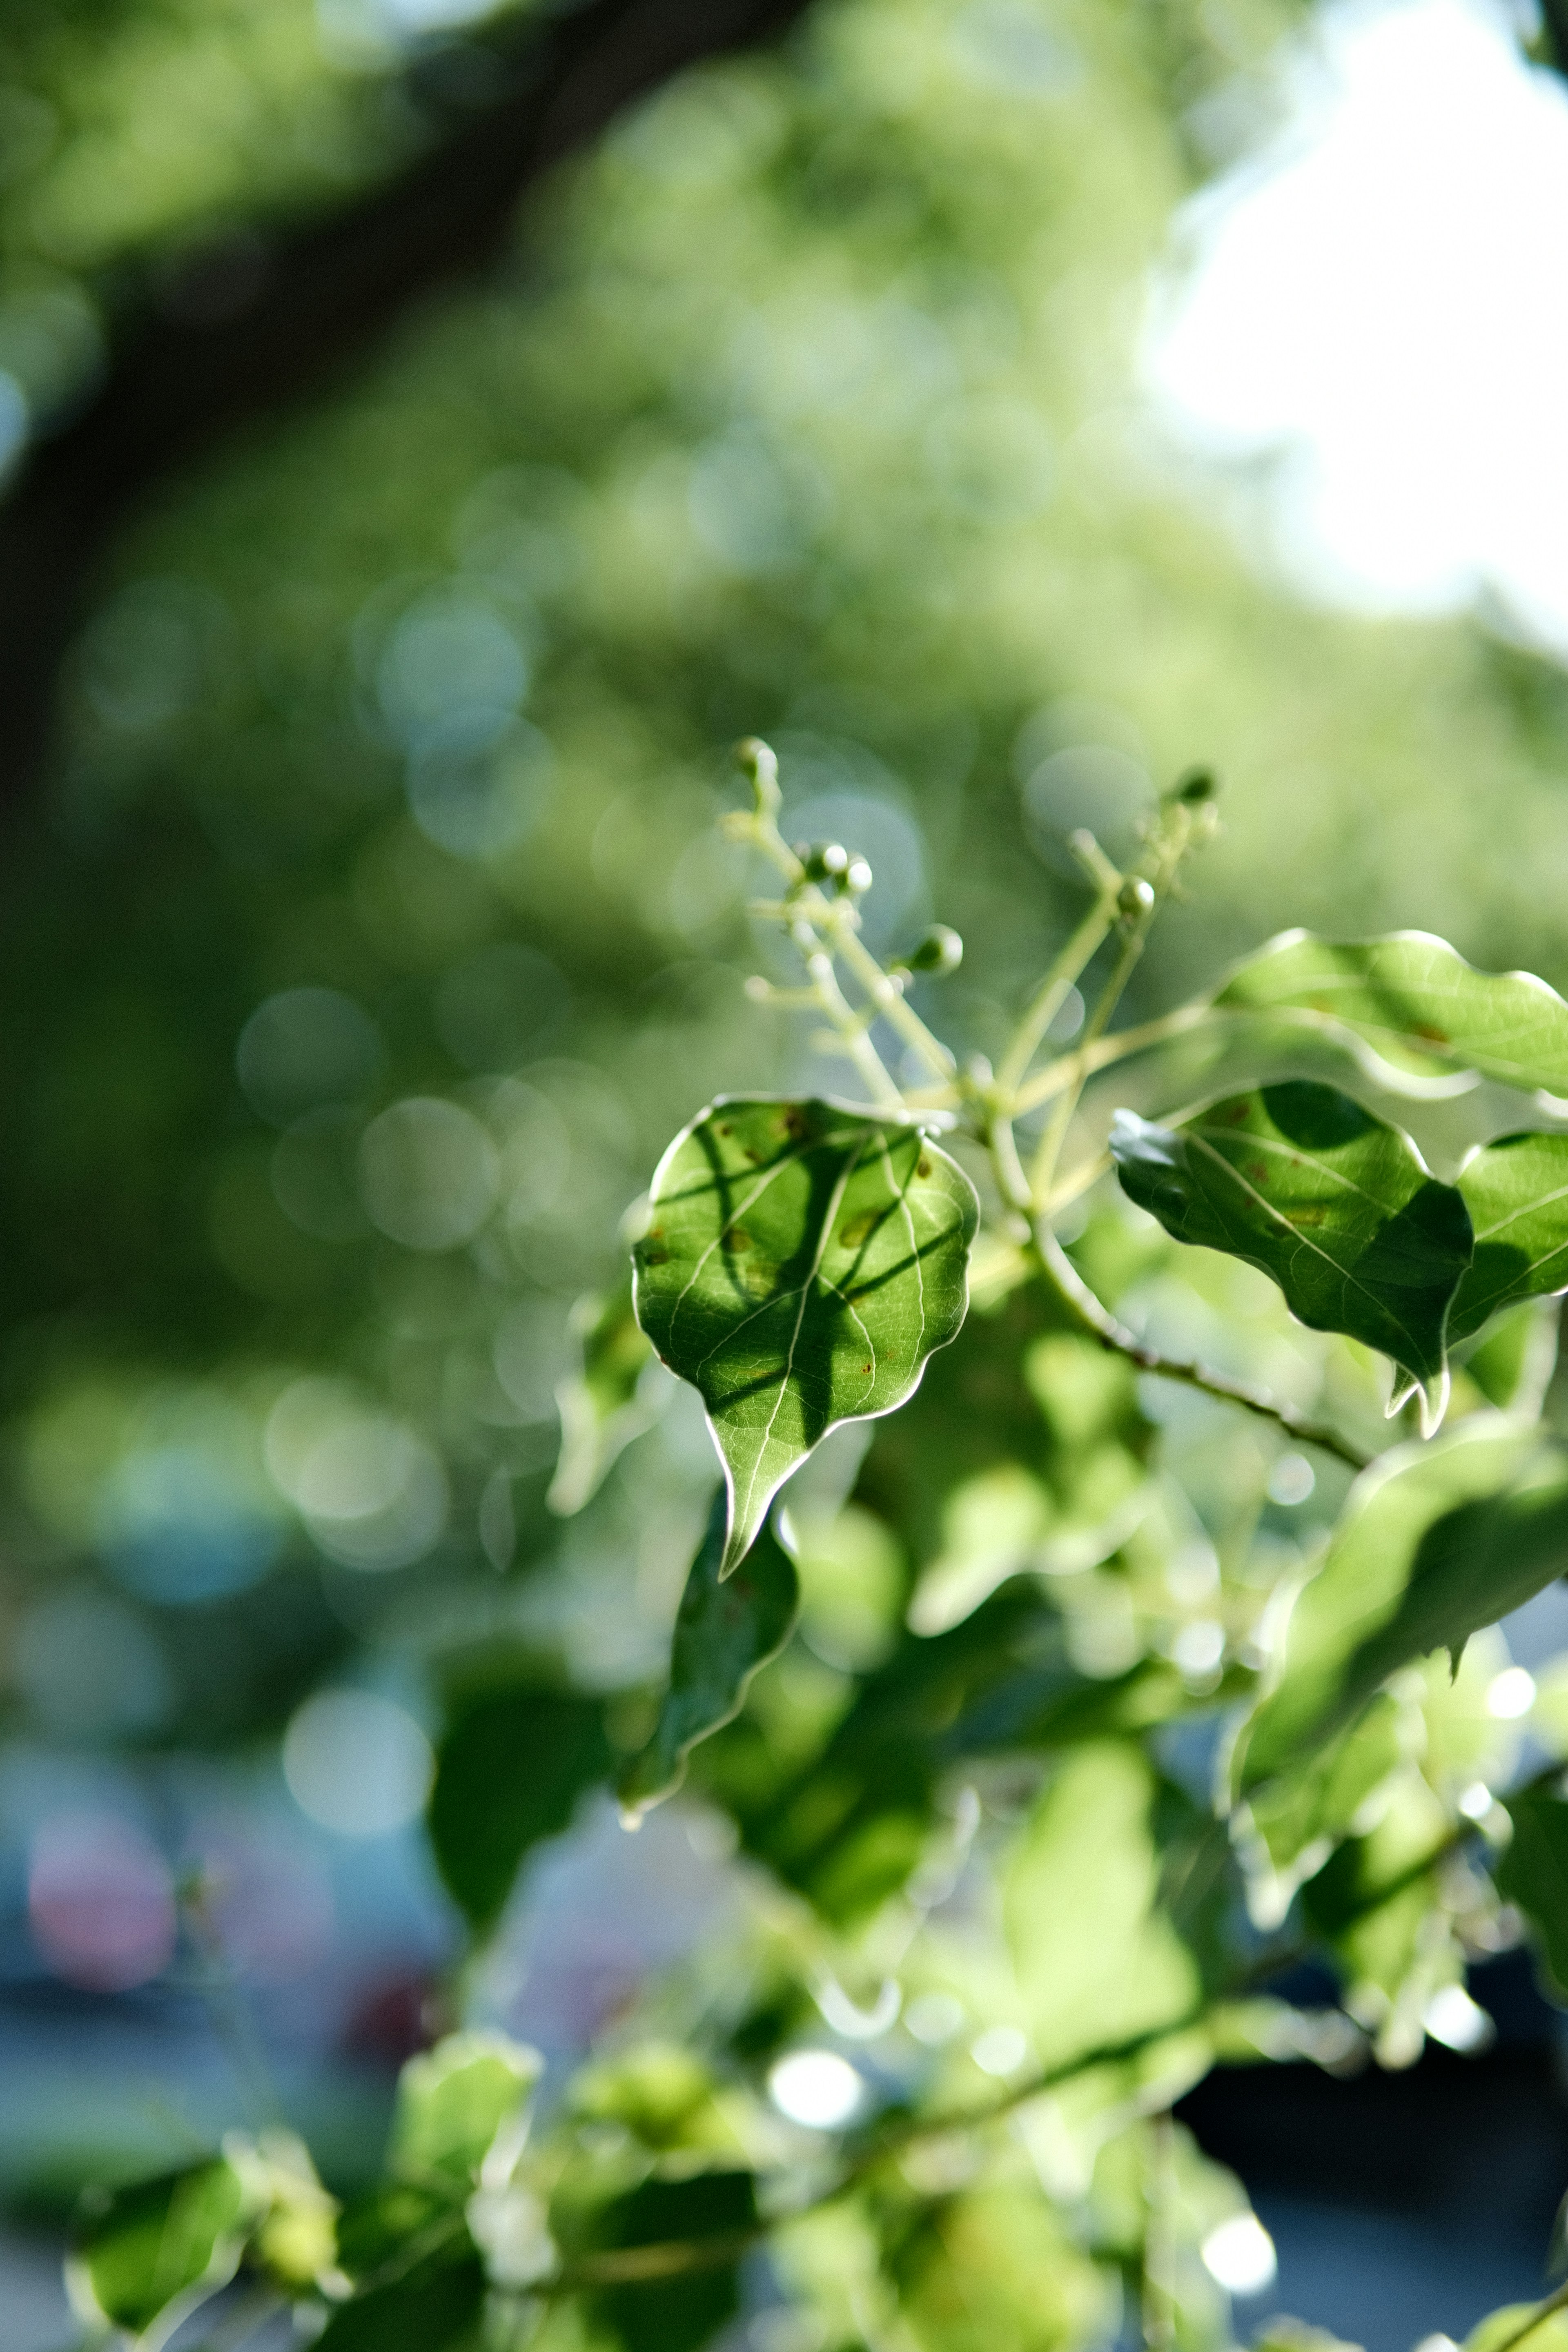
<point>737,1238</point>
<point>795,1123</point>
<point>1258,1170</point>
<point>855,1230</point>
<point>922,1166</point>
<point>1311,1215</point>
<point>1433,1036</point>
<point>1234,1115</point>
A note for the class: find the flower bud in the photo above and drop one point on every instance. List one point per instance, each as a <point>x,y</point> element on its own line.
<point>941,950</point>
<point>825,861</point>
<point>1134,899</point>
<point>757,760</point>
<point>857,877</point>
<point>1197,784</point>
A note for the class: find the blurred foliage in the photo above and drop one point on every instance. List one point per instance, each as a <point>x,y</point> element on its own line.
<point>371,939</point>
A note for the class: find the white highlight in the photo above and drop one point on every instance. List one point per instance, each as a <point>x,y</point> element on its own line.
<point>1511,1694</point>
<point>1455,2020</point>
<point>1239,2255</point>
<point>357,1763</point>
<point>1373,295</point>
<point>815,2087</point>
<point>1000,2050</point>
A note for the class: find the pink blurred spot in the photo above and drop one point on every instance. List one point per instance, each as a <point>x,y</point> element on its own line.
<point>101,1900</point>
<point>267,1909</point>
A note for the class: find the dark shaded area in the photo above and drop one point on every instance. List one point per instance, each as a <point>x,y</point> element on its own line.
<point>1473,2147</point>
<point>253,326</point>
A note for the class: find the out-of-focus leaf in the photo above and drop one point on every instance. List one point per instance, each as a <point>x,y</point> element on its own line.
<point>1533,1872</point>
<point>452,2101</point>
<point>1415,1001</point>
<point>436,2305</point>
<point>801,1263</point>
<point>508,1772</point>
<point>1305,1810</point>
<point>163,2240</point>
<point>724,1631</point>
<point>1334,1206</point>
<point>600,1406</point>
<point>1513,1362</point>
<point>994,2267</point>
<point>676,2314</point>
<point>1517,1194</point>
<point>1097,1958</point>
<point>1500,2328</point>
<point>1435,1542</point>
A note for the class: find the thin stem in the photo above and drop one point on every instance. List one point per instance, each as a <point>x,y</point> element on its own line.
<point>1052,992</point>
<point>1044,1171</point>
<point>887,996</point>
<point>850,1027</point>
<point>1099,1322</point>
<point>1086,1060</point>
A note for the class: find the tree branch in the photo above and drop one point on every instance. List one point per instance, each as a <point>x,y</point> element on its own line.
<point>314,298</point>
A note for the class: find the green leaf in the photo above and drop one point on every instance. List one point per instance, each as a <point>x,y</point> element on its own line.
<point>162,2241</point>
<point>1436,1541</point>
<point>724,1631</point>
<point>1096,1958</point>
<point>1517,1193</point>
<point>1533,1872</point>
<point>1415,1001</point>
<point>508,1773</point>
<point>801,1263</point>
<point>437,2305</point>
<point>600,1407</point>
<point>677,2315</point>
<point>1334,1206</point>
<point>452,2101</point>
<point>1502,2329</point>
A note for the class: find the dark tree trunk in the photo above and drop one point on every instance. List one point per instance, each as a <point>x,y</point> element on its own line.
<point>250,329</point>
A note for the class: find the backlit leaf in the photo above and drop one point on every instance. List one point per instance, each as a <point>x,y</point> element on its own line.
<point>1096,1956</point>
<point>452,2101</point>
<point>1415,1001</point>
<point>1301,1181</point>
<point>1533,1872</point>
<point>1517,1194</point>
<point>600,1405</point>
<point>801,1263</point>
<point>163,2240</point>
<point>724,1632</point>
<point>1436,1541</point>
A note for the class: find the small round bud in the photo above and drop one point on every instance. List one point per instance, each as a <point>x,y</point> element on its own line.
<point>941,950</point>
<point>1198,785</point>
<point>857,877</point>
<point>825,861</point>
<point>1134,899</point>
<point>757,760</point>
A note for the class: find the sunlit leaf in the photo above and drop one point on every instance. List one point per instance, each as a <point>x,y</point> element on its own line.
<point>1301,1181</point>
<point>801,1263</point>
<point>152,2245</point>
<point>452,2101</point>
<point>1502,2329</point>
<point>1417,1003</point>
<point>997,2267</point>
<point>600,1404</point>
<point>1097,1958</point>
<point>724,1631</point>
<point>1533,1871</point>
<point>508,1773</point>
<point>1435,1542</point>
<point>1517,1194</point>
